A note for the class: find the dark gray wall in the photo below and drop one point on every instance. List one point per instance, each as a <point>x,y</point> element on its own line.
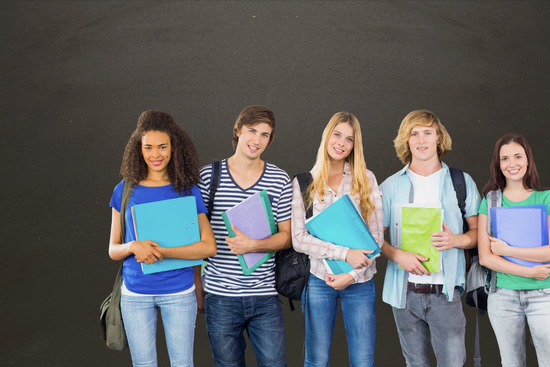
<point>76,75</point>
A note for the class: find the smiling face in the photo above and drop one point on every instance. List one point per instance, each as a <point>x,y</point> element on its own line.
<point>513,162</point>
<point>156,150</point>
<point>423,143</point>
<point>341,141</point>
<point>253,139</point>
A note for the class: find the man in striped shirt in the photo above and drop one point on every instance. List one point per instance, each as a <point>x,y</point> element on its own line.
<point>236,302</point>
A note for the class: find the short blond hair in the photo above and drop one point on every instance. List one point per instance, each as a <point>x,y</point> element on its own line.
<point>420,118</point>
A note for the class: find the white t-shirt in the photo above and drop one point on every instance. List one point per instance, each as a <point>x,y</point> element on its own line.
<point>426,191</point>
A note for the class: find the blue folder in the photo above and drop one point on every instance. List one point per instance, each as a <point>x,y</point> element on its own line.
<point>342,225</point>
<point>170,223</point>
<point>253,217</point>
<point>521,226</point>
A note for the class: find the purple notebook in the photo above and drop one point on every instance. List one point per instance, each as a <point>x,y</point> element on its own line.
<point>253,217</point>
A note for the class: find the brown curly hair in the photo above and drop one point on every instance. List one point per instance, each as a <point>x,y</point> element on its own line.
<point>183,168</point>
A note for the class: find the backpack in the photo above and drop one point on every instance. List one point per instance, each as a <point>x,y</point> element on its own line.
<point>110,317</point>
<point>481,281</point>
<point>292,267</point>
<point>459,184</point>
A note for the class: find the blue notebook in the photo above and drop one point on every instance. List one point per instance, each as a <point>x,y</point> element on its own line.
<point>170,223</point>
<point>521,226</point>
<point>253,217</point>
<point>342,225</point>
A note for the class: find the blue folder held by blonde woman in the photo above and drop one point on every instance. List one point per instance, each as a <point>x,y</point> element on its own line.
<point>342,224</point>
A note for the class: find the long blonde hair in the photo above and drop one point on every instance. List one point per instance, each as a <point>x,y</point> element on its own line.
<point>361,185</point>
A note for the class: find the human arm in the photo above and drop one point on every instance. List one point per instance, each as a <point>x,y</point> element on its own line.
<point>409,261</point>
<point>304,242</point>
<point>206,247</point>
<point>535,254</point>
<point>144,251</point>
<point>501,265</point>
<point>446,239</point>
<point>339,281</point>
<point>242,244</point>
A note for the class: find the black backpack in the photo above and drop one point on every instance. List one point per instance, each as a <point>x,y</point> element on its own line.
<point>292,267</point>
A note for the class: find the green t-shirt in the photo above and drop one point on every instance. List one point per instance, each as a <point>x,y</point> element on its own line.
<point>513,281</point>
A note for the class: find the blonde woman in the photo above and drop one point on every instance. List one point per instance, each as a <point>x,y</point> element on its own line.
<point>340,169</point>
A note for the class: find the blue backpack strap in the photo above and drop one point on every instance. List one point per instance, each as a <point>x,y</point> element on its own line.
<point>215,178</point>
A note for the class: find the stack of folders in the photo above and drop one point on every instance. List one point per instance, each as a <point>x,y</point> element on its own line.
<point>418,223</point>
<point>521,226</point>
<point>254,218</point>
<point>341,224</point>
<point>170,223</point>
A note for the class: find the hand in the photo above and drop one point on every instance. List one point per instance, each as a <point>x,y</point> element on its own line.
<point>499,247</point>
<point>358,259</point>
<point>410,261</point>
<point>146,251</point>
<point>240,244</point>
<point>445,240</point>
<point>339,281</point>
<point>540,272</point>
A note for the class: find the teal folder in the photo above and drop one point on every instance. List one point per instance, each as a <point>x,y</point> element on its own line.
<point>342,225</point>
<point>253,217</point>
<point>170,223</point>
<point>521,226</point>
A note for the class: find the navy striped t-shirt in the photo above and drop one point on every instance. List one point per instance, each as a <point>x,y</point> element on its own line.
<point>223,273</point>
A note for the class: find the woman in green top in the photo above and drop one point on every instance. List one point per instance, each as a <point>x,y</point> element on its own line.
<point>523,293</point>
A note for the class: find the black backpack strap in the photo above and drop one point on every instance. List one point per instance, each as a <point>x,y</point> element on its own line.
<point>305,179</point>
<point>126,192</point>
<point>214,183</point>
<point>459,184</point>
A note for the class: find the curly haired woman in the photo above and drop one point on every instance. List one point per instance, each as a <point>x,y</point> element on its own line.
<point>161,163</point>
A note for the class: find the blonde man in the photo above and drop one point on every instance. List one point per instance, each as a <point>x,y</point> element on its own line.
<point>427,303</point>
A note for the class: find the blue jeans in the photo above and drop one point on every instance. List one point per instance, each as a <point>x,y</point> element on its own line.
<point>509,311</point>
<point>227,318</point>
<point>445,323</point>
<point>179,312</point>
<point>358,302</point>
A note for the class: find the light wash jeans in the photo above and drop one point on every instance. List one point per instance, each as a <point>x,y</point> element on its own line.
<point>509,311</point>
<point>358,303</point>
<point>227,318</point>
<point>443,320</point>
<point>179,313</point>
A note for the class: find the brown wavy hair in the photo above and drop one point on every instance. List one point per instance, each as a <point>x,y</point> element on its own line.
<point>254,115</point>
<point>183,168</point>
<point>497,181</point>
